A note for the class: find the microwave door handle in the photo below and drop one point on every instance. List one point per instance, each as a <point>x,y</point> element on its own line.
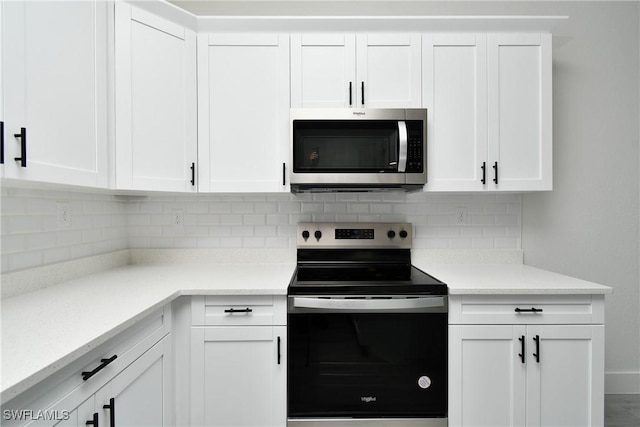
<point>402,143</point>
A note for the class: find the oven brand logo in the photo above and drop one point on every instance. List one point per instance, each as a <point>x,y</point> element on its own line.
<point>368,399</point>
<point>359,113</point>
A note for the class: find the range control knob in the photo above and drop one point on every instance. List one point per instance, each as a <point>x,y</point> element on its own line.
<point>403,234</point>
<point>318,234</point>
<point>391,234</point>
<point>305,234</point>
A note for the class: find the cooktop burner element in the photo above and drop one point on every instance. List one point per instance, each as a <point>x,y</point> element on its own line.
<point>359,259</point>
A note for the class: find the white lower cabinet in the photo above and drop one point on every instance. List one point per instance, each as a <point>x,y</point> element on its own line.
<point>131,378</point>
<point>526,374</point>
<point>140,395</point>
<point>238,372</point>
<point>137,396</point>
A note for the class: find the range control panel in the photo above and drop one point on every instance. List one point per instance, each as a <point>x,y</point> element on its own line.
<point>382,235</point>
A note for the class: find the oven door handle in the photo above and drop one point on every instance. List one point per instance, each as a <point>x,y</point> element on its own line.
<point>368,304</point>
<point>403,146</point>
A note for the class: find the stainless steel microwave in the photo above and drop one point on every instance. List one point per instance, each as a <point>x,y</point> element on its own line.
<point>358,150</point>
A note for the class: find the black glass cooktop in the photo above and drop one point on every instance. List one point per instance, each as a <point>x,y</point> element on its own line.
<point>371,272</point>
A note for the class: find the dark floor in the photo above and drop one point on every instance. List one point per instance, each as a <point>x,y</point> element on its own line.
<point>622,410</point>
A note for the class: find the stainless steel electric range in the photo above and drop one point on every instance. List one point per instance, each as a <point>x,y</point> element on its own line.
<point>367,331</point>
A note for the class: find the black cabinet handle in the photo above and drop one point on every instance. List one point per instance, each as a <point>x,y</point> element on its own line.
<point>112,411</point>
<point>484,172</point>
<point>528,310</point>
<point>284,174</point>
<point>279,354</point>
<point>362,92</point>
<point>2,143</point>
<point>537,353</point>
<point>94,421</point>
<point>521,339</point>
<point>350,93</point>
<point>193,173</point>
<point>495,172</point>
<point>23,147</point>
<point>238,310</point>
<point>104,362</point>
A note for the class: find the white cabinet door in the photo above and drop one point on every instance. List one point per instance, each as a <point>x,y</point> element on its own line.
<point>455,94</point>
<point>155,102</point>
<point>389,71</point>
<point>3,98</point>
<point>486,376</point>
<point>80,416</point>
<point>519,109</point>
<point>55,91</point>
<point>243,110</point>
<point>238,376</point>
<point>526,375</point>
<point>141,394</point>
<point>323,70</point>
<point>362,71</point>
<point>562,378</point>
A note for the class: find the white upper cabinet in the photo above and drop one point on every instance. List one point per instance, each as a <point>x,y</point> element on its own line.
<point>323,70</point>
<point>389,70</point>
<point>519,108</point>
<point>243,112</point>
<point>489,102</point>
<point>155,102</point>
<point>55,91</point>
<point>361,71</point>
<point>455,93</point>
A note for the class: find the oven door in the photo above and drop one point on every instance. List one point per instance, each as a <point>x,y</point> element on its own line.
<point>367,358</point>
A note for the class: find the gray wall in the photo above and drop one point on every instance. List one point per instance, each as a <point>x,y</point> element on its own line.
<point>588,226</point>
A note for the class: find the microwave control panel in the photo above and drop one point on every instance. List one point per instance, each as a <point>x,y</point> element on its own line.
<point>415,147</point>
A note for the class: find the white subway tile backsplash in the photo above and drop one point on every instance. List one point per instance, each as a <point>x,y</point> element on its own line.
<point>31,235</point>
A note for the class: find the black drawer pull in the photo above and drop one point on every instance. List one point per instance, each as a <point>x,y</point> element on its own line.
<point>104,362</point>
<point>495,170</point>
<point>537,353</point>
<point>112,411</point>
<point>193,174</point>
<point>521,339</point>
<point>528,310</point>
<point>238,310</point>
<point>94,421</point>
<point>23,147</point>
<point>484,172</point>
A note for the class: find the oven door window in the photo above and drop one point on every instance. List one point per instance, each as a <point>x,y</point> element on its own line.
<point>367,365</point>
<point>343,146</point>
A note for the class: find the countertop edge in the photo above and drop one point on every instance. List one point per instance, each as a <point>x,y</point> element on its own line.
<point>556,284</point>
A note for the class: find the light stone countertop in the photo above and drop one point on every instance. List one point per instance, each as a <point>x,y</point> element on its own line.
<point>50,326</point>
<point>45,330</point>
<point>508,279</point>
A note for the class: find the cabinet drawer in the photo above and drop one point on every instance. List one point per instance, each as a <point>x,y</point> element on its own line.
<point>250,310</point>
<point>527,309</point>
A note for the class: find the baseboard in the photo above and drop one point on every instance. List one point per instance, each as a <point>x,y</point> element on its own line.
<point>622,382</point>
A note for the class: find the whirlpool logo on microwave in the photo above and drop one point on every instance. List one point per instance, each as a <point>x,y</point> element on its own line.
<point>359,113</point>
<point>368,399</point>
